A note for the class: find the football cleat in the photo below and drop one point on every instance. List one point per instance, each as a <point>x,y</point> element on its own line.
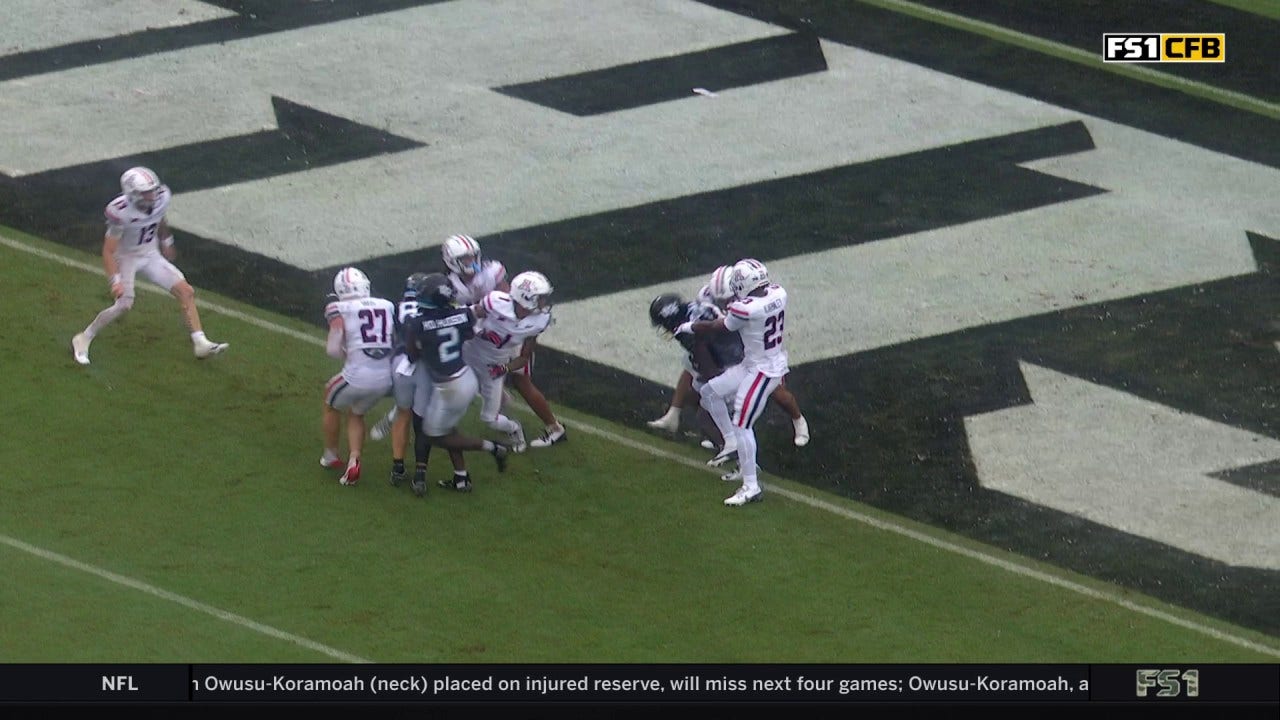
<point>518,445</point>
<point>80,348</point>
<point>732,476</point>
<point>206,348</point>
<point>459,483</point>
<point>707,445</point>
<point>419,484</point>
<point>397,477</point>
<point>352,475</point>
<point>802,431</point>
<point>669,422</point>
<point>744,496</point>
<point>550,437</point>
<point>382,428</point>
<point>332,462</point>
<point>727,453</point>
<point>500,453</point>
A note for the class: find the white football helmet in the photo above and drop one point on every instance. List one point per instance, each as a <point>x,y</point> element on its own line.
<point>140,185</point>
<point>531,291</point>
<point>456,249</point>
<point>720,285</point>
<point>748,276</point>
<point>351,284</point>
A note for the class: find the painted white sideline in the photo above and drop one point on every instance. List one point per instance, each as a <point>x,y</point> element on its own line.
<point>816,503</point>
<point>183,600</point>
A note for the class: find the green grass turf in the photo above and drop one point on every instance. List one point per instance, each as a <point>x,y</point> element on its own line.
<point>200,478</point>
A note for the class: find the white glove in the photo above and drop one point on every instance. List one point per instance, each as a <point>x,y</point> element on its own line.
<point>685,328</point>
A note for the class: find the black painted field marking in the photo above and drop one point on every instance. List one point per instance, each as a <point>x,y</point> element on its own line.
<point>673,78</point>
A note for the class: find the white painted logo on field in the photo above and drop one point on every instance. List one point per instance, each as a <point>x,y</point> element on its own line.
<point>1130,464</point>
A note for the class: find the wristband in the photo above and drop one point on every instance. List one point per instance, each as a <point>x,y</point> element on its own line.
<point>114,279</point>
<point>167,241</point>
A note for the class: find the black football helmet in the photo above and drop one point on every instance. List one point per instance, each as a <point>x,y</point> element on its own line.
<point>412,282</point>
<point>668,311</point>
<point>434,291</point>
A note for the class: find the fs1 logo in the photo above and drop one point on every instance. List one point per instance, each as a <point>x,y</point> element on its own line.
<point>1164,47</point>
<point>1167,682</point>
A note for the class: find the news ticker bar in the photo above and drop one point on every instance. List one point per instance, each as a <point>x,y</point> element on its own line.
<point>1204,683</point>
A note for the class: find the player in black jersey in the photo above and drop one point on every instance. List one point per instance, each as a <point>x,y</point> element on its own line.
<point>405,378</point>
<point>433,339</point>
<point>713,360</point>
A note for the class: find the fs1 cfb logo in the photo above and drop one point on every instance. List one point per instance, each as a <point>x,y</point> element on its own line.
<point>1164,47</point>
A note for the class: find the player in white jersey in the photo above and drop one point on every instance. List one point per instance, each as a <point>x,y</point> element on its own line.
<point>506,337</point>
<point>758,315</point>
<point>717,293</point>
<point>473,277</point>
<point>138,240</point>
<point>362,335</point>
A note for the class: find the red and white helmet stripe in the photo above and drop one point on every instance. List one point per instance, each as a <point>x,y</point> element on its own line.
<point>455,248</point>
<point>719,285</point>
<point>351,284</point>
<point>748,275</point>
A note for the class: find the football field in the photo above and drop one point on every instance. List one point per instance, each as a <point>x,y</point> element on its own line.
<point>160,509</point>
<point>1033,322</point>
